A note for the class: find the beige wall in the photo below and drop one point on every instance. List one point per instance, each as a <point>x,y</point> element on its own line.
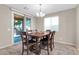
<point>39,24</point>
<point>5,27</point>
<point>77,27</point>
<point>6,20</point>
<point>67,26</point>
<point>33,22</point>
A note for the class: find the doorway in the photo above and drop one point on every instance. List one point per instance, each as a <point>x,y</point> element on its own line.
<point>18,27</point>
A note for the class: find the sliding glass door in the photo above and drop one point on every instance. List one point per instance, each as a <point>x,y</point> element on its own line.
<point>28,24</point>
<point>18,27</point>
<point>20,23</point>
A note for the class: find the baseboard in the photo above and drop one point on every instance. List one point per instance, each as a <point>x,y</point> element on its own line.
<point>5,46</point>
<point>17,43</point>
<point>9,45</point>
<point>65,43</point>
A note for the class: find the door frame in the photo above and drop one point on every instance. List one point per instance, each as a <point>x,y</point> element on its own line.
<point>15,12</point>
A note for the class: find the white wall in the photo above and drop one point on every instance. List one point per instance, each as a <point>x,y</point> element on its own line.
<point>5,27</point>
<point>67,26</point>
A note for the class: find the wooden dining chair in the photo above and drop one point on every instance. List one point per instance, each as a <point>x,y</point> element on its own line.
<point>47,42</point>
<point>48,30</point>
<point>46,37</point>
<point>29,30</point>
<point>26,42</point>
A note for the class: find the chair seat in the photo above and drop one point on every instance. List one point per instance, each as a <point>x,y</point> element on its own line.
<point>32,41</point>
<point>44,41</point>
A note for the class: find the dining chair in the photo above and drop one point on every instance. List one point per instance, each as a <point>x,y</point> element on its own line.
<point>47,42</point>
<point>33,38</point>
<point>48,30</point>
<point>45,38</point>
<point>44,43</point>
<point>26,42</point>
<point>29,30</point>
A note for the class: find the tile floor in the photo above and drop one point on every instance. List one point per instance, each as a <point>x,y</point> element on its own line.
<point>59,49</point>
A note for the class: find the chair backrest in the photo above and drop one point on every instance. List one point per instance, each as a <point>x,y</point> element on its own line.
<point>48,31</point>
<point>49,37</point>
<point>52,34</point>
<point>36,30</point>
<point>29,31</point>
<point>24,37</point>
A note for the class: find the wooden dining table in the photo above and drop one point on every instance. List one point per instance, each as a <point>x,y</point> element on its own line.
<point>38,36</point>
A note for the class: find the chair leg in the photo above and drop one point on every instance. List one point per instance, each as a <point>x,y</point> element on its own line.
<point>48,49</point>
<point>27,50</point>
<point>51,45</point>
<point>22,50</point>
<point>51,48</point>
<point>40,48</point>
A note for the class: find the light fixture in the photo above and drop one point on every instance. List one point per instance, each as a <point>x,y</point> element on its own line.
<point>40,13</point>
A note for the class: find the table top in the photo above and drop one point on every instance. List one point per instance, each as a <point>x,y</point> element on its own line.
<point>38,34</point>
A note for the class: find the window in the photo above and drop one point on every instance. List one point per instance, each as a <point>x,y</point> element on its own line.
<point>51,23</point>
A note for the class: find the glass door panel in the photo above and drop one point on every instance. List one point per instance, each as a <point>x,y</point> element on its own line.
<point>28,23</point>
<point>18,27</point>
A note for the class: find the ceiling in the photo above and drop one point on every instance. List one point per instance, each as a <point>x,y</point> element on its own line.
<point>32,9</point>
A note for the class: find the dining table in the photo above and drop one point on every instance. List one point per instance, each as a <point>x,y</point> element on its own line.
<point>38,36</point>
